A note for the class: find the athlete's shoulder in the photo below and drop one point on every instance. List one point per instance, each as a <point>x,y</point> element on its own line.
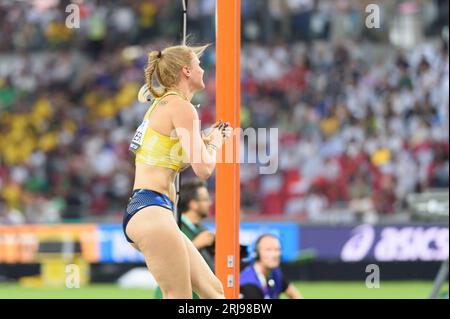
<point>180,107</point>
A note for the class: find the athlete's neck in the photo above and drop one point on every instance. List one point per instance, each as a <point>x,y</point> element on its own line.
<point>184,90</point>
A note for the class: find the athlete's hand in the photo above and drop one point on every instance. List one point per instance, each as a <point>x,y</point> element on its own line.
<point>204,239</point>
<point>227,130</point>
<point>214,135</point>
<point>218,133</point>
<point>206,134</point>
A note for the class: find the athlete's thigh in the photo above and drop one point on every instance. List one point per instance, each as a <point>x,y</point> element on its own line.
<point>156,234</point>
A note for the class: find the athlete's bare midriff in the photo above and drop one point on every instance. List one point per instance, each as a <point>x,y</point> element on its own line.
<point>159,179</point>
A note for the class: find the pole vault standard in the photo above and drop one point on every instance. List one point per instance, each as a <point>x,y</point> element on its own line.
<point>228,104</point>
<point>185,4</point>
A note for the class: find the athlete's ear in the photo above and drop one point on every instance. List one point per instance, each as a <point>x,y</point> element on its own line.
<point>187,71</point>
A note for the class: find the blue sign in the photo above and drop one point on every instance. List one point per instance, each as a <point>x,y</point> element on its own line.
<point>391,243</point>
<point>115,249</point>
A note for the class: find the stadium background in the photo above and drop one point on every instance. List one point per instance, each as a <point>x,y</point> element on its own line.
<point>363,126</point>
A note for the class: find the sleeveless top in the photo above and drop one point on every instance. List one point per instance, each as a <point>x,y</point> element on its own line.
<point>153,148</point>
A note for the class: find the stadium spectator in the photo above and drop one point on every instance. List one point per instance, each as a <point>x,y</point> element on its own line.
<point>263,278</point>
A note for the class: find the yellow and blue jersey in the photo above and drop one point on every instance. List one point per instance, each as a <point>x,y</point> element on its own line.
<point>153,148</point>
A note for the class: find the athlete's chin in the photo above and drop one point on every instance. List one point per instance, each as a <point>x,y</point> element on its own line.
<point>199,87</point>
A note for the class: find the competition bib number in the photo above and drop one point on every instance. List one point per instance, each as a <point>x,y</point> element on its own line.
<point>138,138</point>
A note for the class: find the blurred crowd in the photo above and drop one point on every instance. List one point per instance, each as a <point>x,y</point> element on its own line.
<point>359,129</point>
<point>361,125</point>
<point>102,25</point>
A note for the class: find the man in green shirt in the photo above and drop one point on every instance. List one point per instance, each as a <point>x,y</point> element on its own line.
<point>194,204</point>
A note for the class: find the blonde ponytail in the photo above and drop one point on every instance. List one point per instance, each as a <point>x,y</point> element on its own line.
<point>152,65</point>
<point>166,67</point>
